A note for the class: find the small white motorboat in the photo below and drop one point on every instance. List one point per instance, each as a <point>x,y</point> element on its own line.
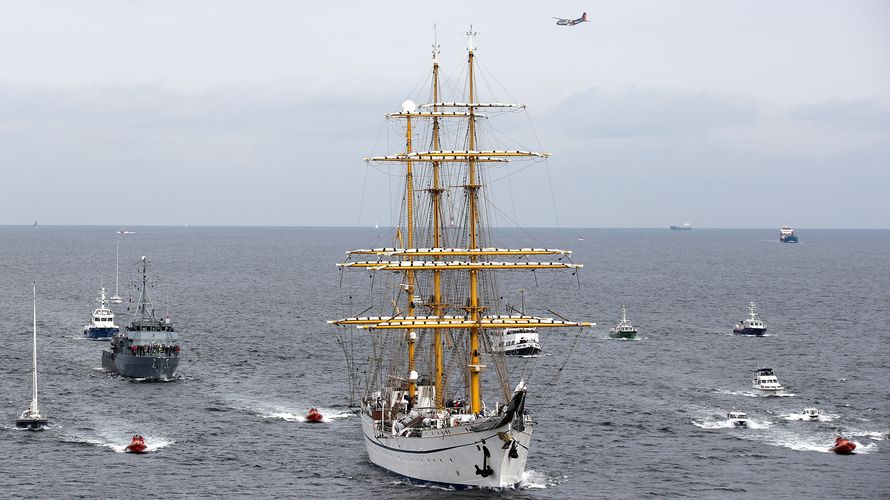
<point>810,414</point>
<point>737,418</point>
<point>765,381</point>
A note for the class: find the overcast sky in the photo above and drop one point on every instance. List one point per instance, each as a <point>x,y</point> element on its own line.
<point>725,114</point>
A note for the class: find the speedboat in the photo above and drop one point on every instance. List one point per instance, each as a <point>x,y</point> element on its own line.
<point>137,445</point>
<point>314,416</point>
<point>843,446</point>
<point>765,380</point>
<point>752,325</point>
<point>737,418</point>
<point>810,414</point>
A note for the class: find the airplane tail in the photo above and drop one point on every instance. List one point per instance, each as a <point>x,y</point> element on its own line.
<point>584,17</point>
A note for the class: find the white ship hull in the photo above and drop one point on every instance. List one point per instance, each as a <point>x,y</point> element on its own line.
<point>454,456</point>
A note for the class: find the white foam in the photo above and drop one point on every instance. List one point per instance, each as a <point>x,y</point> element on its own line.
<point>727,424</point>
<point>865,449</point>
<point>287,412</point>
<point>718,424</point>
<point>155,443</point>
<point>873,435</point>
<point>754,394</point>
<point>824,447</point>
<point>534,480</point>
<point>326,414</point>
<point>119,444</point>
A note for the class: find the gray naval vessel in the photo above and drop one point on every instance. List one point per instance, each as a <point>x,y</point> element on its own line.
<point>148,348</point>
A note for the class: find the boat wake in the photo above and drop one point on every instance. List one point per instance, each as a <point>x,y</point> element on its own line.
<point>824,417</point>
<point>328,414</point>
<point>289,413</point>
<point>726,424</point>
<point>797,440</point>
<point>874,436</point>
<point>531,480</point>
<point>42,427</point>
<point>821,444</point>
<point>534,480</point>
<point>118,443</point>
<point>754,394</point>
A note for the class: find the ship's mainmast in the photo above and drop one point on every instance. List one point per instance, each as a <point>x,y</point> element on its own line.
<point>435,194</point>
<point>142,307</point>
<point>471,189</point>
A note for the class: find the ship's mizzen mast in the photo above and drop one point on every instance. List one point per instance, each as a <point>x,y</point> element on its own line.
<point>409,226</point>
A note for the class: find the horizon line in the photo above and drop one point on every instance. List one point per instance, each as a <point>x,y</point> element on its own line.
<point>125,227</point>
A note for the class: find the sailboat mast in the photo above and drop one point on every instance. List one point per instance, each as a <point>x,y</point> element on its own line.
<point>34,355</point>
<point>117,266</point>
<point>409,226</point>
<point>436,193</point>
<point>471,188</point>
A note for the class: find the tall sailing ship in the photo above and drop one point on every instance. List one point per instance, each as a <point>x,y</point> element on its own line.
<point>434,392</point>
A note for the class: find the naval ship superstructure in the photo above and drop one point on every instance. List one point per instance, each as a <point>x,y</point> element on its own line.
<point>149,347</point>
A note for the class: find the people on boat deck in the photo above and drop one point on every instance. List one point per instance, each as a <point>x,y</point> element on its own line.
<point>456,403</point>
<point>154,350</point>
<point>409,403</point>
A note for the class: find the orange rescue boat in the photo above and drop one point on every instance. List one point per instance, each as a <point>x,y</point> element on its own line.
<point>137,445</point>
<point>314,416</point>
<point>843,446</point>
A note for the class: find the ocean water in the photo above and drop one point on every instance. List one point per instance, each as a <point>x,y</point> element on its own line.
<point>624,419</point>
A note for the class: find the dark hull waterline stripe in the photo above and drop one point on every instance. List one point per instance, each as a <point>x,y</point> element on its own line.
<point>437,450</point>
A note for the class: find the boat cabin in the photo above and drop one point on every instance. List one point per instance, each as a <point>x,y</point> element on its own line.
<point>766,380</point>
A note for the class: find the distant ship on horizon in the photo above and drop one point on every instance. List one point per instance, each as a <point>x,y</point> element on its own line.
<point>786,234</point>
<point>685,227</point>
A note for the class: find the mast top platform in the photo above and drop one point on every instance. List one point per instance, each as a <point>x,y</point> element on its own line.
<point>471,39</point>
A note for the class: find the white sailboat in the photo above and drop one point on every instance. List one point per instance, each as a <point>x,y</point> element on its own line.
<point>31,418</point>
<point>417,380</point>
<point>116,298</point>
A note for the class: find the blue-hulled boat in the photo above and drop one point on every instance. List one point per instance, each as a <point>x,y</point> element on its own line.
<point>786,234</point>
<point>101,325</point>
